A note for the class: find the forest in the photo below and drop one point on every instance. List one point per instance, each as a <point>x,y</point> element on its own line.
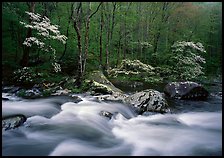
<point>92,36</point>
<point>111,78</point>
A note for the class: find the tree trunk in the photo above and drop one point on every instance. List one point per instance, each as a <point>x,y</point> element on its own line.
<point>164,19</point>
<point>87,37</point>
<point>113,23</point>
<point>108,36</point>
<point>119,47</point>
<point>101,33</point>
<point>25,59</point>
<point>69,21</point>
<point>77,26</point>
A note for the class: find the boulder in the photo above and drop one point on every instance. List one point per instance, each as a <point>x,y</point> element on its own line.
<point>148,100</point>
<point>10,89</point>
<point>13,121</point>
<point>99,84</point>
<point>186,90</point>
<point>30,93</point>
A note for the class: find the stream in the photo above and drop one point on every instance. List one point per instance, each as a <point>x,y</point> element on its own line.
<point>57,126</point>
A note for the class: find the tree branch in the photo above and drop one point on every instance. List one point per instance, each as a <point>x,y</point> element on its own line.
<point>96,10</point>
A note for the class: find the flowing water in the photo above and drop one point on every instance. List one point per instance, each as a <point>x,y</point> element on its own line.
<point>57,126</point>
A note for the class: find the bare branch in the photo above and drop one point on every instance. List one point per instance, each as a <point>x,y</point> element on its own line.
<point>96,10</point>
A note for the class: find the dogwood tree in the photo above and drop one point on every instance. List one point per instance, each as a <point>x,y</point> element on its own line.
<point>45,32</point>
<point>187,59</point>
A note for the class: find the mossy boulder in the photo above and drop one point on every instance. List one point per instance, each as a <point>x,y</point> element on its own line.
<point>97,83</point>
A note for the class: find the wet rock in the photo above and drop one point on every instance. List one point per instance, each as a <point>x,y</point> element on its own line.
<point>75,98</point>
<point>186,90</point>
<point>62,92</point>
<point>148,100</point>
<point>10,89</point>
<point>116,96</point>
<point>13,121</point>
<point>106,114</point>
<point>10,97</point>
<point>5,99</point>
<point>30,93</point>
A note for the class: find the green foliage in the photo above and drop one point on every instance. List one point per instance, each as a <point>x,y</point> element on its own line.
<point>22,93</point>
<point>137,30</point>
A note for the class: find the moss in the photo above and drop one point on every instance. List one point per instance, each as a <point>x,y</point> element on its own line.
<point>98,83</point>
<point>46,93</point>
<point>21,93</point>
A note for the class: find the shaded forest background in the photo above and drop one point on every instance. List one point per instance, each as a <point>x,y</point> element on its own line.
<point>112,31</point>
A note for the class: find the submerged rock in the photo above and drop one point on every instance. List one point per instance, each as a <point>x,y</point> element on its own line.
<point>148,100</point>
<point>13,121</point>
<point>10,89</point>
<point>186,90</point>
<point>106,114</point>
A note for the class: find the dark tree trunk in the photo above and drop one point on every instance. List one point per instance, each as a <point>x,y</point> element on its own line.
<point>25,59</point>
<point>77,26</point>
<point>67,32</point>
<point>108,17</point>
<point>164,19</point>
<point>101,34</point>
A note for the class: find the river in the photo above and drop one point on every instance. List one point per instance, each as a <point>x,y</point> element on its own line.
<point>56,126</point>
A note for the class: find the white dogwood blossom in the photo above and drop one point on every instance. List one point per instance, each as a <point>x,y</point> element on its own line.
<point>188,58</point>
<point>45,32</point>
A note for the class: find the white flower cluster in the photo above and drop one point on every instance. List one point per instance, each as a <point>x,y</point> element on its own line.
<point>144,44</point>
<point>25,74</point>
<point>44,27</point>
<point>57,67</point>
<point>34,16</point>
<point>46,31</point>
<point>33,40</point>
<point>187,60</point>
<point>181,46</point>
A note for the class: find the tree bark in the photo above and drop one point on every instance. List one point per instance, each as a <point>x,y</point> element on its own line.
<point>164,19</point>
<point>86,36</point>
<point>25,59</point>
<point>69,21</point>
<point>101,34</point>
<point>77,26</point>
<point>108,36</point>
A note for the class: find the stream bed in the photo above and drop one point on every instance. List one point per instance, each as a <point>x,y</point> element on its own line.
<point>57,126</point>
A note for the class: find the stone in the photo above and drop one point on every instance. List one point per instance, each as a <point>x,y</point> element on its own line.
<point>99,84</point>
<point>106,114</point>
<point>148,100</point>
<point>186,90</point>
<point>13,121</point>
<point>62,92</point>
